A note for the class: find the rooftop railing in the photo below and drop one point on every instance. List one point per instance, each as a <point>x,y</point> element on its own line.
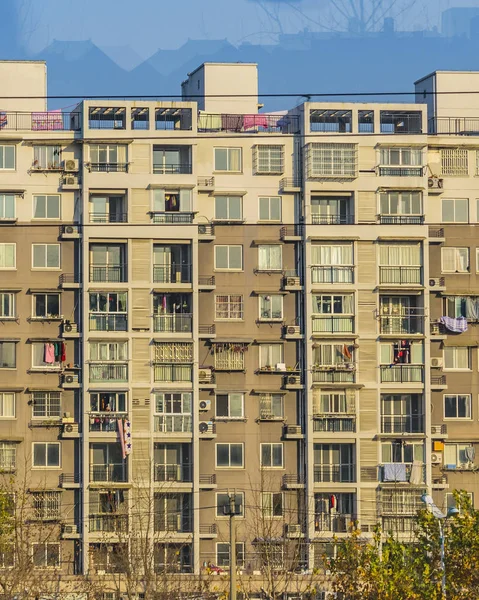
<point>252,123</point>
<point>40,121</point>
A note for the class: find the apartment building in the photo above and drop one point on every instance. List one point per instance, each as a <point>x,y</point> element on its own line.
<point>201,300</point>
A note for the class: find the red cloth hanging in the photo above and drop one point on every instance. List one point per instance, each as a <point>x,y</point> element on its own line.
<point>64,352</point>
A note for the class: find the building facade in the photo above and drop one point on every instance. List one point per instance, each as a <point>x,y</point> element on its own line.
<point>200,302</point>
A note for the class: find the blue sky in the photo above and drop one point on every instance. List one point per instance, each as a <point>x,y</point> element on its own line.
<point>151,24</point>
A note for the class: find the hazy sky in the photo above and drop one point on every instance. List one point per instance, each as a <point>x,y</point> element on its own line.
<point>148,25</point>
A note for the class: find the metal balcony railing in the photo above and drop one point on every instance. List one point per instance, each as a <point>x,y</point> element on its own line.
<point>336,274</point>
<point>108,523</point>
<point>291,231</point>
<point>111,167</point>
<point>334,376</point>
<point>402,373</point>
<point>105,421</point>
<point>454,126</point>
<point>401,275</point>
<point>401,219</point>
<point>173,473</point>
<point>406,424</point>
<point>407,321</point>
<point>291,480</point>
<point>96,217</point>
<point>173,423</point>
<point>332,324</point>
<point>181,168</point>
<point>108,273</point>
<point>170,373</point>
<point>177,323</point>
<point>173,523</point>
<point>172,273</point>
<point>289,182</point>
<point>69,278</point>
<point>113,472</point>
<point>400,122</point>
<point>108,322</point>
<point>336,423</point>
<point>40,121</point>
<point>114,372</point>
<point>250,123</point>
<point>207,280</point>
<point>332,219</point>
<point>334,473</point>
<point>401,171</point>
<point>332,523</point>
<point>172,217</point>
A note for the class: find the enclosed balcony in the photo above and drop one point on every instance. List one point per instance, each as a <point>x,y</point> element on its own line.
<point>173,513</point>
<point>334,473</point>
<point>332,211</point>
<point>400,275</point>
<point>107,464</point>
<point>399,315</point>
<point>113,117</point>
<point>334,463</point>
<point>108,209</point>
<point>173,119</point>
<point>401,121</point>
<point>108,263</point>
<point>172,313</point>
<point>332,324</point>
<point>333,513</point>
<point>108,523</point>
<point>114,372</point>
<point>402,413</point>
<point>334,423</point>
<point>172,462</point>
<point>402,373</point>
<point>330,121</point>
<point>173,423</point>
<point>172,264</point>
<point>172,160</point>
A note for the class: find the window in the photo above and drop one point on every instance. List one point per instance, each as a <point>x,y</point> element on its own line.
<point>46,306</point>
<point>400,121</point>
<point>402,413</point>
<point>271,406</point>
<point>7,405</point>
<point>270,258</point>
<point>332,263</point>
<point>228,159</point>
<point>108,311</point>
<point>455,210</point>
<point>46,505</point>
<point>458,455</point>
<point>229,258</point>
<point>8,456</point>
<point>47,157</point>
<point>454,162</point>
<point>7,157</point>
<point>455,260</point>
<point>330,121</point>
<point>108,157</point>
<point>42,357</point>
<point>229,455</point>
<point>8,256</point>
<point>268,160</point>
<point>46,256</point>
<point>223,504</point>
<point>46,455</point>
<point>333,313</point>
<point>272,504</point>
<point>332,403</point>
<point>228,208</point>
<point>174,201</point>
<point>332,160</point>
<point>397,156</point>
<point>7,206</point>
<point>270,208</point>
<point>270,356</point>
<point>109,351</point>
<point>223,554</point>
<point>271,456</point>
<point>172,160</point>
<point>8,351</point>
<point>400,207</point>
<point>457,406</point>
<point>365,121</point>
<point>451,501</point>
<point>173,412</point>
<point>108,208</point>
<point>460,306</point>
<point>270,307</point>
<point>229,356</point>
<point>108,402</point>
<point>332,211</point>
<point>400,263</point>
<point>407,452</point>
<point>229,307</point>
<point>107,117</point>
<point>230,406</point>
<point>46,405</point>
<point>333,354</point>
<point>108,262</point>
<point>457,357</point>
<point>334,463</point>
<point>46,555</point>
<point>7,305</point>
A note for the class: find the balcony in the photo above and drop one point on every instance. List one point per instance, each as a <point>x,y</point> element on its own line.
<point>112,217</point>
<point>332,219</point>
<point>172,217</point>
<point>173,473</point>
<point>332,324</point>
<point>438,382</point>
<point>108,322</point>
<point>112,167</point>
<point>110,523</point>
<point>172,372</point>
<point>69,281</point>
<point>108,273</point>
<point>173,424</point>
<point>468,126</point>
<point>401,122</point>
<point>208,482</point>
<point>402,373</point>
<point>207,332</point>
<point>401,219</point>
<point>172,274</point>
<point>333,375</point>
<point>400,275</point>
<point>207,283</point>
<point>400,171</point>
<point>408,321</point>
<point>332,523</point>
<point>330,274</point>
<point>107,117</point>
<point>173,523</point>
<point>205,183</point>
<point>251,123</point>
<point>436,234</point>
<point>208,532</point>
<point>334,473</point>
<point>69,481</point>
<point>180,168</point>
<point>113,472</point>
<point>40,121</point>
<point>404,424</point>
<point>173,119</point>
<point>115,373</point>
<point>400,473</point>
<point>177,323</point>
<point>334,423</point>
<point>292,233</point>
<point>290,185</point>
<point>293,482</point>
<point>105,422</point>
<point>439,431</point>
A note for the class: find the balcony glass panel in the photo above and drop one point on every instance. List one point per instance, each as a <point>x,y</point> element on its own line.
<point>172,160</point>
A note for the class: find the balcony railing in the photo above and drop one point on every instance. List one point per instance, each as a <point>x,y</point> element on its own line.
<point>181,168</point>
<point>334,423</point>
<point>102,322</point>
<point>332,523</point>
<point>332,219</point>
<point>407,321</point>
<point>454,126</point>
<point>172,217</point>
<point>173,423</point>
<point>114,472</point>
<point>173,523</point>
<point>407,424</point>
<point>401,171</point>
<point>334,376</point>
<point>337,274</point>
<point>40,121</point>
<point>108,523</point>
<point>112,167</point>
<point>334,473</point>
<point>109,372</point>
<point>178,323</point>
<point>332,324</point>
<point>402,373</point>
<point>401,219</point>
<point>173,473</point>
<point>171,373</point>
<point>96,217</point>
<point>108,273</point>
<point>172,273</point>
<point>251,123</point>
<point>105,421</point>
<point>400,275</point>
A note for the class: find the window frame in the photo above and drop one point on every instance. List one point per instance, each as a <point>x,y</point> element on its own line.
<point>6,449</point>
<point>268,509</point>
<point>270,250</point>
<point>49,402</point>
<point>240,555</point>
<point>12,305</point>
<point>229,416</point>
<point>454,356</point>
<point>228,150</point>
<point>415,153</point>
<point>46,267</point>
<point>454,202</point>
<point>240,514</point>
<point>229,304</point>
<point>11,368</point>
<point>3,198</point>
<point>467,405</point>
<point>228,216</point>
<point>55,366</point>
<point>458,448</point>
<point>269,199</point>
<point>457,255</point>
<point>4,393</point>
<point>274,165</point>
<point>266,352</point>
<point>229,465</point>
<point>47,505</point>
<point>47,466</point>
<point>2,154</point>
<point>47,315</point>
<point>228,268</point>
<point>262,316</point>
<point>45,565</point>
<point>41,157</point>
<point>451,495</point>
<point>271,399</point>
<point>58,197</point>
<point>3,246</point>
<point>272,446</point>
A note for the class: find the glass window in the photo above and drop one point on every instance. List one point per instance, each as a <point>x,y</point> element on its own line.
<point>230,406</point>
<point>457,357</point>
<point>46,405</point>
<point>228,208</point>
<point>401,203</point>
<point>46,256</point>
<point>223,504</point>
<point>228,159</point>
<point>272,456</point>
<point>7,206</point>
<point>268,159</point>
<point>270,355</point>
<point>270,307</point>
<point>45,355</point>
<point>47,157</point>
<point>8,256</point>
<point>332,160</point>
<point>457,406</point>
<point>458,455</point>
<point>108,157</point>
<point>270,208</point>
<point>46,305</point>
<point>451,501</point>
<point>7,157</point>
<point>8,456</point>
<point>7,305</point>
<point>46,555</point>
<point>455,260</point>
<point>8,355</point>
<point>223,554</point>
<point>272,504</point>
<point>270,258</point>
<point>229,455</point>
<point>46,455</point>
<point>393,452</point>
<point>401,156</point>
<point>337,304</point>
<point>7,405</point>
<point>455,211</point>
<point>229,258</point>
<point>271,406</point>
<point>229,307</point>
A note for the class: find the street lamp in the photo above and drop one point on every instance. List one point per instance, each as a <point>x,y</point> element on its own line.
<point>440,516</point>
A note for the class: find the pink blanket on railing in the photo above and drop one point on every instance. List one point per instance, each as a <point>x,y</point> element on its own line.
<point>47,121</point>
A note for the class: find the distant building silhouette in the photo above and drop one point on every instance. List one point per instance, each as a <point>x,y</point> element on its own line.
<point>456,22</point>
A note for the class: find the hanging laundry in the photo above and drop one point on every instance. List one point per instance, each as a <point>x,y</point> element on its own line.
<point>63,352</point>
<point>401,352</point>
<point>347,353</point>
<point>333,503</point>
<point>456,325</point>
<point>416,476</point>
<point>127,434</point>
<point>121,436</point>
<point>49,353</point>
<point>472,308</point>
<point>394,472</point>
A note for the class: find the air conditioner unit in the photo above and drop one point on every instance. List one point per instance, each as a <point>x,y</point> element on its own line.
<point>435,183</point>
<point>70,378</point>
<point>70,229</point>
<point>292,329</point>
<point>205,375</point>
<point>294,379</point>
<point>70,164</point>
<point>204,426</point>
<point>435,282</point>
<point>69,327</point>
<point>70,427</point>
<point>202,229</point>
<point>205,404</point>
<point>293,529</point>
<point>436,458</point>
<point>436,362</point>
<point>291,281</point>
<point>70,529</point>
<point>70,180</point>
